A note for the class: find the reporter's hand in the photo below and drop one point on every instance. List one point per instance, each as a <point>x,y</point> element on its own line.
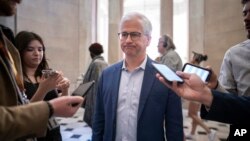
<point>46,85</point>
<point>63,85</point>
<point>213,81</point>
<point>193,88</point>
<point>66,106</point>
<point>50,83</point>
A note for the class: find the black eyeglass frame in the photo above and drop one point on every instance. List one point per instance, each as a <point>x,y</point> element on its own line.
<point>133,35</point>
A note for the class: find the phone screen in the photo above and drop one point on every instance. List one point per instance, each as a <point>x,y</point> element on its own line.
<point>203,73</point>
<point>167,73</point>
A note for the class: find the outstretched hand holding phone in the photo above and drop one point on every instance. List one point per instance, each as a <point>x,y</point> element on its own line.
<point>66,106</point>
<point>193,88</point>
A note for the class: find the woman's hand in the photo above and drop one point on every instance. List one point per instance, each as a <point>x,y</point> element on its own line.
<point>47,84</point>
<point>64,85</point>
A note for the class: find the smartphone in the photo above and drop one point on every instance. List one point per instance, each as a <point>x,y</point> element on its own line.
<point>167,73</point>
<point>203,73</point>
<point>83,89</point>
<point>49,72</point>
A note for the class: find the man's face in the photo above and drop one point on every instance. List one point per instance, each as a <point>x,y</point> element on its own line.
<point>8,7</point>
<point>135,44</point>
<point>246,16</point>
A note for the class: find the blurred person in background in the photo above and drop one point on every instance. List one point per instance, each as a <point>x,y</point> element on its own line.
<point>168,56</point>
<point>93,73</point>
<point>194,107</point>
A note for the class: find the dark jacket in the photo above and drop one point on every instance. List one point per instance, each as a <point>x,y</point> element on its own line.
<point>232,109</point>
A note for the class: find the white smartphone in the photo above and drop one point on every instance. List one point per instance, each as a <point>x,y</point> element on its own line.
<point>49,72</point>
<point>203,73</point>
<point>167,73</point>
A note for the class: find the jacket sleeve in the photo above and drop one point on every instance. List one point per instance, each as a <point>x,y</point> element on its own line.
<point>23,121</point>
<point>228,108</point>
<point>173,118</point>
<point>98,119</point>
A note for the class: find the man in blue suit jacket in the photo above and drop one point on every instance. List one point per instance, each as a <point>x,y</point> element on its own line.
<point>132,104</point>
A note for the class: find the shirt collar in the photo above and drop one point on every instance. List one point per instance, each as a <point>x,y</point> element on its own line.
<point>142,65</point>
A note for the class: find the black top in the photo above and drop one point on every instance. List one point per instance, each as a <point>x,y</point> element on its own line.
<point>31,89</point>
<point>54,134</point>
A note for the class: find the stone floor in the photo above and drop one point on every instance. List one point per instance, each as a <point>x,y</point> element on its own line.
<point>74,129</point>
<point>221,128</point>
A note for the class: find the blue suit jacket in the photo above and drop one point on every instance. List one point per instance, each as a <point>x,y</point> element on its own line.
<point>157,103</point>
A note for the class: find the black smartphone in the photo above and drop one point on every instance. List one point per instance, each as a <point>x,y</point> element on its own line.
<point>167,73</point>
<point>83,88</point>
<point>203,73</point>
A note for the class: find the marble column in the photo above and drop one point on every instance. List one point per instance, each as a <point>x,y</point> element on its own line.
<point>166,17</point>
<point>115,13</point>
<point>196,26</point>
<point>87,31</point>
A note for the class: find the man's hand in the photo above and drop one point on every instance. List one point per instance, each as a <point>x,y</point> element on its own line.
<point>213,81</point>
<point>66,106</point>
<point>193,88</point>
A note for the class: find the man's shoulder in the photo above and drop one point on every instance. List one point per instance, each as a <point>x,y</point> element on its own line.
<point>113,67</point>
<point>99,62</point>
<point>239,48</point>
<point>171,54</point>
<point>8,33</point>
<point>242,44</point>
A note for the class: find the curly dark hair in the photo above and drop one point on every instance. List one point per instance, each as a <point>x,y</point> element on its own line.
<point>244,1</point>
<point>199,57</point>
<point>22,40</point>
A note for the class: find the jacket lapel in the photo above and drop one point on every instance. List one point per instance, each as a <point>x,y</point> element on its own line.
<point>115,83</point>
<point>148,80</point>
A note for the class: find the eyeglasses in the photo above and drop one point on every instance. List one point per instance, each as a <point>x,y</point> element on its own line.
<point>133,35</point>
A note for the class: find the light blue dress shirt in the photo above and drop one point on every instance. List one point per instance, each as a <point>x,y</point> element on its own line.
<point>128,102</point>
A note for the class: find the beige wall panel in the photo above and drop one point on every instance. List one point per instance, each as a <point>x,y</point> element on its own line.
<point>166,13</point>
<point>115,13</point>
<point>223,29</point>
<point>196,26</point>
